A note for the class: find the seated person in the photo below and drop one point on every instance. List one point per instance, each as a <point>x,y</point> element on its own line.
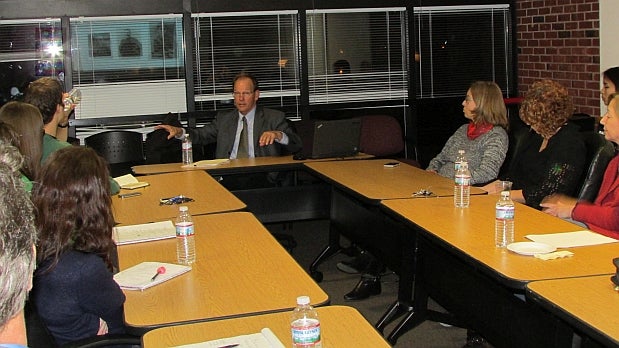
<point>267,129</point>
<point>47,94</point>
<point>483,139</point>
<point>552,157</point>
<point>74,290</point>
<point>26,122</point>
<point>601,216</point>
<point>17,255</point>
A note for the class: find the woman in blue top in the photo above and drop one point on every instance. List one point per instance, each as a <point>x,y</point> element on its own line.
<point>74,291</point>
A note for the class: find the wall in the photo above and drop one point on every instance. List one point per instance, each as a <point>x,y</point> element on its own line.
<point>609,27</point>
<point>560,40</point>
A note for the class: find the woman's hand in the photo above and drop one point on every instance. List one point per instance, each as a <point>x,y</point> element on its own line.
<point>559,205</point>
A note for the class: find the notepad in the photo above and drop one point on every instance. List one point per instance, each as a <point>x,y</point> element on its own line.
<point>207,163</point>
<point>129,182</point>
<point>139,277</point>
<point>144,232</point>
<point>263,339</point>
<point>571,239</point>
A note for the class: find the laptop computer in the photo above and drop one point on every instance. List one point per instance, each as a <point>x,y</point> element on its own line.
<point>330,138</point>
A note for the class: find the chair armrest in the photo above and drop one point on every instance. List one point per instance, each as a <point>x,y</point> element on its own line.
<point>105,340</point>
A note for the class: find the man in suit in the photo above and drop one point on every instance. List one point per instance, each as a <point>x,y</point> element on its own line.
<point>267,130</point>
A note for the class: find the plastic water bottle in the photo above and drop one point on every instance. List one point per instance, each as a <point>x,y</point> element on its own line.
<point>305,325</point>
<point>462,187</point>
<point>187,150</point>
<point>461,157</point>
<point>185,243</point>
<point>504,221</point>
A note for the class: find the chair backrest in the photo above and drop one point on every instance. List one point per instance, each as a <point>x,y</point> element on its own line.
<point>516,140</point>
<point>121,149</point>
<point>599,152</point>
<point>381,136</point>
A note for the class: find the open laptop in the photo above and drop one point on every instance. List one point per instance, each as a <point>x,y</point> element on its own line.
<point>330,138</point>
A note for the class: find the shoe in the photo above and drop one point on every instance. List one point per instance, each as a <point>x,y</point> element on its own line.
<point>367,286</point>
<point>355,265</point>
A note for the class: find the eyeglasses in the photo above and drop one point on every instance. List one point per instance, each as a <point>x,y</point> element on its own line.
<point>244,94</point>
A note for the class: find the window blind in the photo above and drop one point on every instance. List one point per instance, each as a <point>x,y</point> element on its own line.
<point>357,55</point>
<point>128,66</point>
<point>29,49</point>
<point>265,44</point>
<point>460,44</point>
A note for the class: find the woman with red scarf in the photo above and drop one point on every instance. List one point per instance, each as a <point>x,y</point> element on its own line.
<point>483,139</point>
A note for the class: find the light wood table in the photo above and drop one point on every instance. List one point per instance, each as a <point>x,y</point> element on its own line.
<point>373,181</point>
<point>239,165</point>
<point>481,285</point>
<point>588,304</point>
<point>340,327</point>
<point>209,197</point>
<point>240,270</point>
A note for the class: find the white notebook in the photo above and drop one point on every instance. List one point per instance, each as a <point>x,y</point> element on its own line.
<point>144,232</point>
<point>263,339</point>
<point>140,276</point>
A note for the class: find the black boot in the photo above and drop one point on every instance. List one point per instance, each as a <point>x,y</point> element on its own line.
<point>369,285</point>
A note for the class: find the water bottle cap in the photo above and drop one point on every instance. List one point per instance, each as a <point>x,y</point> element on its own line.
<point>183,208</point>
<point>303,300</point>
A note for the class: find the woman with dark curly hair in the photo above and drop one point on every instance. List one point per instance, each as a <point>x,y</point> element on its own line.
<point>74,291</point>
<point>552,157</point>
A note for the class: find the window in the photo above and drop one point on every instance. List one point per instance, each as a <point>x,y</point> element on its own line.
<point>29,49</point>
<point>128,66</point>
<point>264,44</point>
<point>357,55</point>
<point>459,45</point>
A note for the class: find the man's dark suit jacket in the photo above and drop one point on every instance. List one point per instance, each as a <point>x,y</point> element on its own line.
<point>223,131</point>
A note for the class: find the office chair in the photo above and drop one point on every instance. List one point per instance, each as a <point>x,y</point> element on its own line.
<point>599,152</point>
<point>121,149</point>
<point>382,136</point>
<point>39,336</point>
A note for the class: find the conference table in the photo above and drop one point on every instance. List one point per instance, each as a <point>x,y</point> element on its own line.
<point>208,197</point>
<point>588,304</point>
<point>483,286</point>
<point>240,270</point>
<point>340,326</point>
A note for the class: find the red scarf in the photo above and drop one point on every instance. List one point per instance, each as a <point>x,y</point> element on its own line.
<point>476,130</point>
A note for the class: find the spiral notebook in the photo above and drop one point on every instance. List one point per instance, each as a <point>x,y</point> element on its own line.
<point>140,276</point>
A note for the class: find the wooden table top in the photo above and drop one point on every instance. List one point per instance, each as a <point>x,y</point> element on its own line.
<point>471,230</point>
<point>240,269</point>
<point>372,180</point>
<point>236,164</point>
<point>591,301</point>
<point>340,327</point>
<point>209,197</point>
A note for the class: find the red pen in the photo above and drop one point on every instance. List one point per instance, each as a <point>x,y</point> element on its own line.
<point>160,270</point>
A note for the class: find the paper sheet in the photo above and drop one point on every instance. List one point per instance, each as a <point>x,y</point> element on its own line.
<point>129,182</point>
<point>139,277</point>
<point>571,239</point>
<point>263,339</point>
<point>144,232</point>
<point>207,163</point>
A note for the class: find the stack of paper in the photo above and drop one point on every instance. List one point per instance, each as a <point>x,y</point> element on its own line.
<point>207,163</point>
<point>140,277</point>
<point>263,339</point>
<point>571,239</point>
<point>129,182</point>
<point>144,232</point>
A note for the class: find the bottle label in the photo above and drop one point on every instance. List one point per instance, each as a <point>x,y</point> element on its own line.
<point>184,230</point>
<point>186,145</point>
<point>505,213</point>
<point>304,334</point>
<point>462,180</point>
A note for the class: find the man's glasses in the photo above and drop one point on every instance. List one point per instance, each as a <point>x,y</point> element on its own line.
<point>244,94</point>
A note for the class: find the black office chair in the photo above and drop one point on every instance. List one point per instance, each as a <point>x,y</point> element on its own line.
<point>599,152</point>
<point>121,149</point>
<point>39,336</point>
<point>382,137</point>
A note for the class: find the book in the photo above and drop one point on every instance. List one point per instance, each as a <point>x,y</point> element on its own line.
<point>207,163</point>
<point>143,232</point>
<point>142,276</point>
<point>263,339</point>
<point>129,182</point>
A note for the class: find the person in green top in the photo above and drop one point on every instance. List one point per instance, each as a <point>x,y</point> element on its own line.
<point>25,133</point>
<point>47,94</point>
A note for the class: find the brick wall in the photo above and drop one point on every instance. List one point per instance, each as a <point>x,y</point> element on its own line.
<point>559,40</point>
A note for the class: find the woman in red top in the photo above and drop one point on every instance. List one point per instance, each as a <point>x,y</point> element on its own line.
<point>601,216</point>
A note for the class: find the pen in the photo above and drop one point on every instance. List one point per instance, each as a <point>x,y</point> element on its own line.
<point>160,270</point>
<point>229,346</point>
<point>127,195</point>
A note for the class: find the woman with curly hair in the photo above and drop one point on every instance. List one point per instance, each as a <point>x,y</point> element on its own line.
<point>74,291</point>
<point>552,158</point>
